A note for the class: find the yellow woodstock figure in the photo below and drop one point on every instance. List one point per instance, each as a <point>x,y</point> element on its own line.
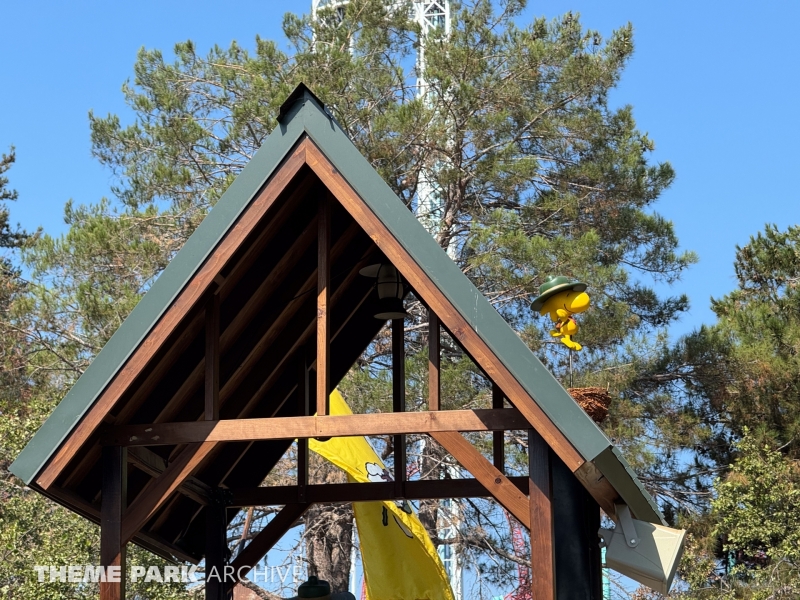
<point>561,298</point>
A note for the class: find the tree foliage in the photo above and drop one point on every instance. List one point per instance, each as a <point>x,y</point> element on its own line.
<point>534,171</point>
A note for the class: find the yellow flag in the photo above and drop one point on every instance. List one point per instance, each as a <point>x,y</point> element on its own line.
<point>399,559</point>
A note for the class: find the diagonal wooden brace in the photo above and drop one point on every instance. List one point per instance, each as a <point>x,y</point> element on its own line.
<point>505,492</point>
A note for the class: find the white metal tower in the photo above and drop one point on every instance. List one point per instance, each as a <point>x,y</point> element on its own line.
<point>433,18</point>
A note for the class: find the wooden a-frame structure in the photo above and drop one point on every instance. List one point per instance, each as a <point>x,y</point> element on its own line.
<point>219,368</point>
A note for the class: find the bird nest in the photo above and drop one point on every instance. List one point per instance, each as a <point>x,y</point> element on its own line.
<point>594,400</point>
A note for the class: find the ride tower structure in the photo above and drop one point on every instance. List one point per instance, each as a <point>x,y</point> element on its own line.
<point>434,20</point>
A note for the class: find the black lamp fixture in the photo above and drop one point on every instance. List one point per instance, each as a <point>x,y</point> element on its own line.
<point>390,290</point>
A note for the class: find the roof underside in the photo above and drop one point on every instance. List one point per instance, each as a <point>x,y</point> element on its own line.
<point>267,332</point>
<point>268,325</point>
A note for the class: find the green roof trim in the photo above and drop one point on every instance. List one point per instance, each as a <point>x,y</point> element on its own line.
<point>308,116</point>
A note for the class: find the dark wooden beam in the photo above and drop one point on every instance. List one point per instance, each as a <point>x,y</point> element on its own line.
<point>399,401</point>
<point>112,542</point>
<point>500,487</point>
<point>212,359</point>
<point>244,402</point>
<point>498,437</point>
<point>543,575</point>
<point>147,540</point>
<point>434,361</point>
<point>323,304</point>
<point>576,519</point>
<point>267,538</point>
<point>484,419</point>
<point>420,489</point>
<point>216,551</point>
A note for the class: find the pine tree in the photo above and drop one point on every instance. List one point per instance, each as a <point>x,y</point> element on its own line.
<point>537,175</point>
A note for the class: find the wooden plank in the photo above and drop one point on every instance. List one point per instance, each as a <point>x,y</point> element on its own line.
<point>112,544</point>
<point>399,401</point>
<point>280,346</point>
<point>543,577</point>
<point>323,304</point>
<point>498,485</point>
<point>216,551</point>
<point>158,490</point>
<point>212,359</point>
<point>434,361</point>
<point>420,489</point>
<point>194,291</point>
<point>498,437</point>
<point>267,538</point>
<point>287,428</point>
<point>437,302</point>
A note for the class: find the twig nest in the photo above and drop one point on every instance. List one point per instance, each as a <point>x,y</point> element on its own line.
<point>593,400</point>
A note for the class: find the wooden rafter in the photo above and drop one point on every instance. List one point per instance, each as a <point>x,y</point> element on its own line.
<point>212,359</point>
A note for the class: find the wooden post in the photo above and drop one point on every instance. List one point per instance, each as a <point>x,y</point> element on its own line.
<point>498,437</point>
<point>543,574</point>
<point>399,402</point>
<point>323,304</point>
<point>216,549</point>
<point>212,359</point>
<point>576,518</point>
<point>112,546</point>
<point>434,362</point>
<point>302,443</point>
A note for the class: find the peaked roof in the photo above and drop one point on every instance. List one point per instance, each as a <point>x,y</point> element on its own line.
<point>303,116</point>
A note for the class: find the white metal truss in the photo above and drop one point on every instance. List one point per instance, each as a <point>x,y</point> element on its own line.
<point>434,20</point>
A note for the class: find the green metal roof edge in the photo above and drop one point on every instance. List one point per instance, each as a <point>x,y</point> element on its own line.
<point>310,117</point>
<point>158,298</point>
<point>622,478</point>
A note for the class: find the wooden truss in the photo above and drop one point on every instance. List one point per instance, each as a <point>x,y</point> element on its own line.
<point>235,418</point>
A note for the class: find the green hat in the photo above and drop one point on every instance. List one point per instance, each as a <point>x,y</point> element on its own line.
<point>553,286</point>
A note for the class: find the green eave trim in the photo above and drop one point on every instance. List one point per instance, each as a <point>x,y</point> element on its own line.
<point>619,474</point>
<point>159,297</point>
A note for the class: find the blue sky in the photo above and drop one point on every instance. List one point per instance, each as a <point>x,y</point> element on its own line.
<point>714,84</point>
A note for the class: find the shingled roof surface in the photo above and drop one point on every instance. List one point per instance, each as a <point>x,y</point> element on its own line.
<point>306,118</point>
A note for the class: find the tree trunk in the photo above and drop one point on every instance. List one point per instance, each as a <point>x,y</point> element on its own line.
<point>329,542</point>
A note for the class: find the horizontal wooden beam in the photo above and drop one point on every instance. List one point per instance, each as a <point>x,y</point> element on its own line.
<point>433,489</point>
<point>288,428</point>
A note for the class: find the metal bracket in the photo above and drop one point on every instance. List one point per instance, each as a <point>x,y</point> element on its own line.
<point>625,521</point>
